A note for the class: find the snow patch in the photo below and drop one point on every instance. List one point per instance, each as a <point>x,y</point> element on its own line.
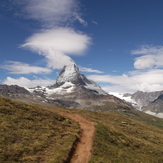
<point>67,87</point>
<point>159,115</point>
<point>96,88</point>
<point>68,73</point>
<point>127,99</point>
<point>150,113</point>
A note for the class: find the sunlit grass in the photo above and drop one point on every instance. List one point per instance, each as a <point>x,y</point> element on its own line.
<point>121,139</point>
<point>32,134</point>
<point>29,134</point>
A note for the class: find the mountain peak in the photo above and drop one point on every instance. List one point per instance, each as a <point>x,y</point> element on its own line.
<point>69,73</point>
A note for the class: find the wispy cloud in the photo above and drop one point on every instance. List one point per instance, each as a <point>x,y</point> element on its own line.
<point>24,82</point>
<point>51,12</point>
<point>57,40</point>
<point>82,21</point>
<point>56,44</point>
<point>94,22</point>
<point>152,57</point>
<point>148,50</point>
<point>150,80</point>
<point>85,69</point>
<point>147,76</point>
<point>23,68</point>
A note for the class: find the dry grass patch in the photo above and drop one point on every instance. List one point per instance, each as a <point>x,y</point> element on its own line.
<point>30,134</point>
<point>120,139</point>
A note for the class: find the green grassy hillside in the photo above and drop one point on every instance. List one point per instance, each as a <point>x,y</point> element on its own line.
<point>29,134</point>
<point>120,139</point>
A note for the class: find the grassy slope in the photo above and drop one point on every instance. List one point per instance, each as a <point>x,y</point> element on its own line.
<point>30,134</point>
<point>120,136</point>
<point>120,139</point>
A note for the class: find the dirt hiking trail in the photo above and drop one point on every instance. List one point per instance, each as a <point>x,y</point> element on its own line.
<point>83,149</point>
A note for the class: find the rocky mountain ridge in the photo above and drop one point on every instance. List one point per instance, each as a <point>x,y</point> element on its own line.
<point>145,98</point>
<point>148,102</point>
<point>12,89</point>
<point>71,90</point>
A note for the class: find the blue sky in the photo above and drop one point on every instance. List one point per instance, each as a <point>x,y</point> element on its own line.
<point>118,44</point>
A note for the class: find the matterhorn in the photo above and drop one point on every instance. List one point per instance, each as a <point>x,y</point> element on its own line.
<point>73,90</point>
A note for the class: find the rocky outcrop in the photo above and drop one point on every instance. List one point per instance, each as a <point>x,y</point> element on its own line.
<point>144,98</point>
<point>12,89</point>
<point>71,90</point>
<point>155,106</point>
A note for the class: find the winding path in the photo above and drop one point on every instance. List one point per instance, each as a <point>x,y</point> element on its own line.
<point>83,149</point>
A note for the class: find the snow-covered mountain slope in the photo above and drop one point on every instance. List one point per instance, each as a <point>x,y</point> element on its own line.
<point>144,101</point>
<point>68,80</point>
<point>69,73</point>
<point>72,75</point>
<point>127,98</point>
<point>67,87</point>
<point>159,115</point>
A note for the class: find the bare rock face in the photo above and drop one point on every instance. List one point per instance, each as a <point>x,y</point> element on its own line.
<point>71,90</point>
<point>156,106</point>
<point>12,89</point>
<point>70,76</point>
<point>145,98</point>
<point>149,102</point>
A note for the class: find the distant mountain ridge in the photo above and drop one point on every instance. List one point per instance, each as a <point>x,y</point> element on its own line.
<point>144,98</point>
<point>148,102</point>
<point>71,90</point>
<point>12,89</point>
<point>69,80</point>
<point>71,77</point>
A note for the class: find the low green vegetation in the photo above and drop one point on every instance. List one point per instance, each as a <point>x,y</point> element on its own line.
<point>111,107</point>
<point>120,139</point>
<point>30,134</point>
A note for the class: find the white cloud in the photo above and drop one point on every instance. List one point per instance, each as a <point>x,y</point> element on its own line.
<point>52,12</point>
<point>56,44</point>
<point>23,68</point>
<point>147,81</point>
<point>152,57</point>
<point>85,69</point>
<point>148,76</point>
<point>65,40</point>
<point>24,82</point>
<point>143,62</point>
<point>57,40</point>
<point>94,22</point>
<point>82,21</point>
<point>146,49</point>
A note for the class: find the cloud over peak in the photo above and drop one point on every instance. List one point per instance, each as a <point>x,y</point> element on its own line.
<point>57,40</point>
<point>65,40</point>
<point>56,44</point>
